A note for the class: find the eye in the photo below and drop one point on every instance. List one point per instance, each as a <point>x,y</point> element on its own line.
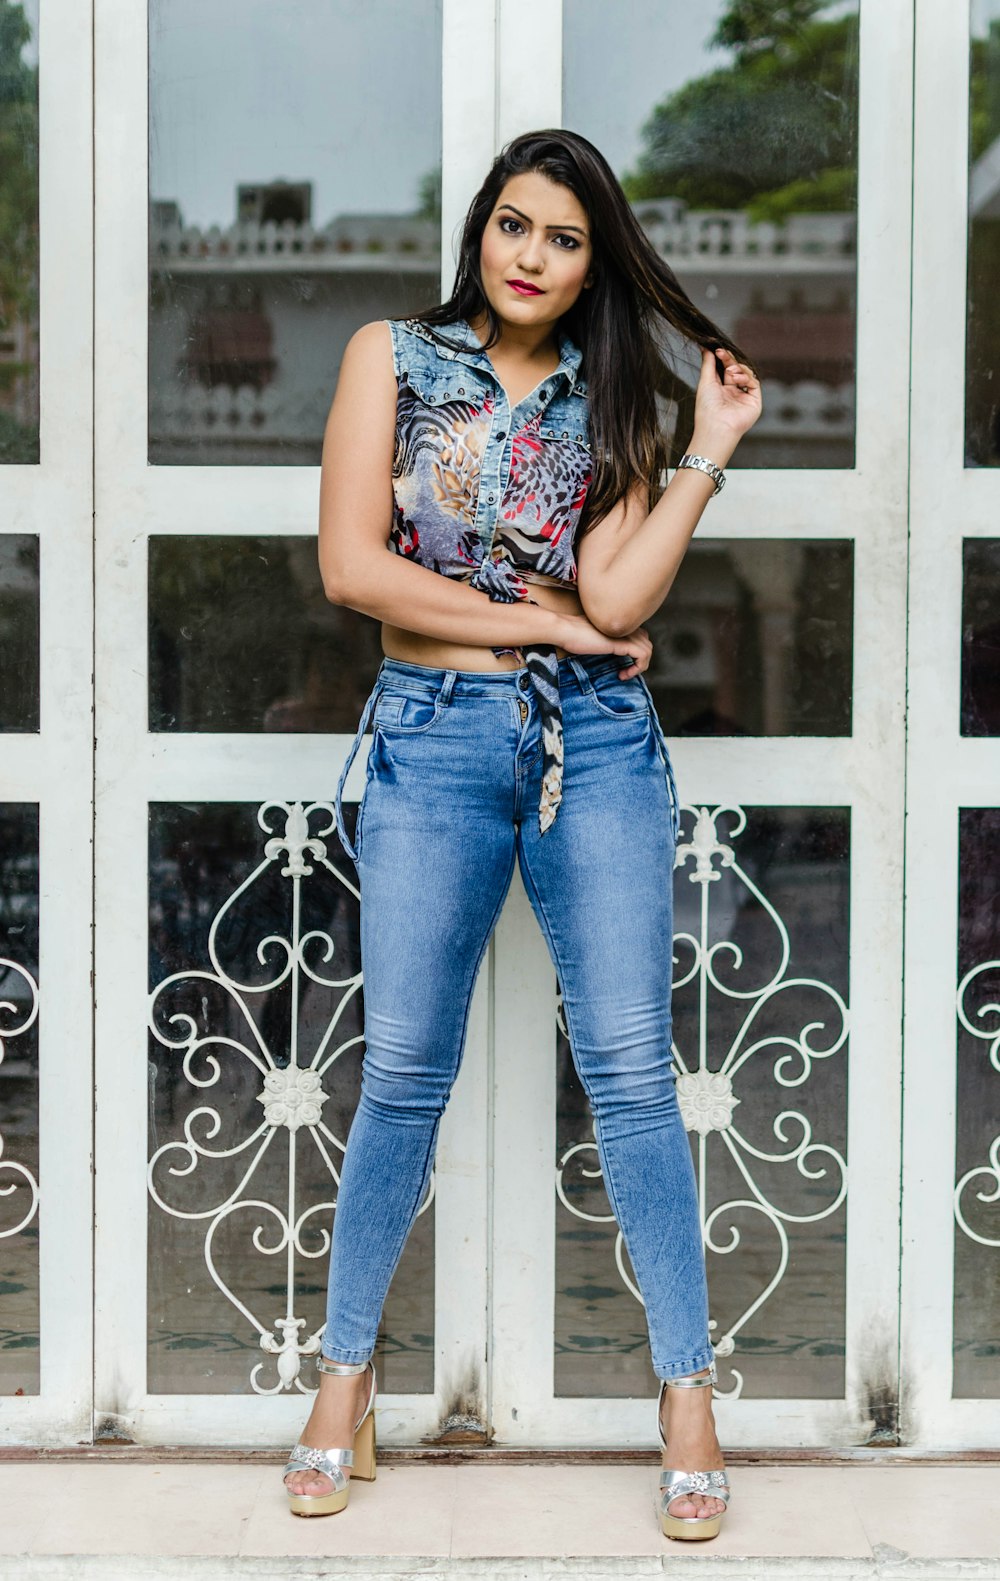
<point>508,219</point>
<point>572,240</point>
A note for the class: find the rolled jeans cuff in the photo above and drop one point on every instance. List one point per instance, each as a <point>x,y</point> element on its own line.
<point>681,1369</point>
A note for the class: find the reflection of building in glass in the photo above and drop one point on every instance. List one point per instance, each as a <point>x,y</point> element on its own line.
<point>284,658</point>
<point>248,323</point>
<point>786,292</point>
<point>755,638</point>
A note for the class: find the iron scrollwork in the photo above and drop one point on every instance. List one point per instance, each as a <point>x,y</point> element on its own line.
<point>707,1092</point>
<point>292,1096</point>
<point>16,1019</point>
<point>986,1027</point>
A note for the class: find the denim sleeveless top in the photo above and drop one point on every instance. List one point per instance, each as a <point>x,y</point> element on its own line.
<point>490,495</point>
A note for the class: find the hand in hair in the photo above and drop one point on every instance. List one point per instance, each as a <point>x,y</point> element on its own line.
<point>726,405</point>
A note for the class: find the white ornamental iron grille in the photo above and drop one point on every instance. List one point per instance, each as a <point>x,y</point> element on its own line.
<point>708,1082</point>
<point>292,1095</point>
<point>982,1020</point>
<point>18,1013</point>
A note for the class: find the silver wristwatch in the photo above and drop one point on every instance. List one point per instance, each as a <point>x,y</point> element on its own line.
<point>704,465</point>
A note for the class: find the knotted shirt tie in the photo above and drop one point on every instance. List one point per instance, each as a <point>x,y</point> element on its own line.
<point>502,583</point>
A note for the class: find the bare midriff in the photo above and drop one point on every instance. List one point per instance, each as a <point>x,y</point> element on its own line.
<point>413,648</point>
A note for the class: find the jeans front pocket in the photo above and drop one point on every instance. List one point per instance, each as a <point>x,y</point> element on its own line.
<point>619,699</point>
<point>407,713</point>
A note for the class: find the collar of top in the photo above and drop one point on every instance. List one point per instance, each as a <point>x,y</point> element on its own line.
<point>469,349</point>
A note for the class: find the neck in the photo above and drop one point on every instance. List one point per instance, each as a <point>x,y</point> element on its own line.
<point>523,340</point>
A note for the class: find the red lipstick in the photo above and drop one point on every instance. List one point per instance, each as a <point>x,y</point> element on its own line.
<point>524,288</point>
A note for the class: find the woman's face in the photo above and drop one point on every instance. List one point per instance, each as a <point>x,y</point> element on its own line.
<point>537,236</point>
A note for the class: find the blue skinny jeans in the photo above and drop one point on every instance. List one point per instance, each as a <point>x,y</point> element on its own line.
<point>451,799</point>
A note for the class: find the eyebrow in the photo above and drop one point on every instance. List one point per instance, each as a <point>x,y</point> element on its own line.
<point>548,227</point>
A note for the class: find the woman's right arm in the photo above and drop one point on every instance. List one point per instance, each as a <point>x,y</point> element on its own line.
<point>355,513</point>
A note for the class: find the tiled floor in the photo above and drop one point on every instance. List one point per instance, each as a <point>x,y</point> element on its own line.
<point>67,1518</point>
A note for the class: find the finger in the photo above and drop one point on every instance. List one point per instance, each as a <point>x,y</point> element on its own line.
<point>708,373</point>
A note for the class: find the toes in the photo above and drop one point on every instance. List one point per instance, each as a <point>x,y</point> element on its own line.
<point>307,1482</point>
<point>696,1505</point>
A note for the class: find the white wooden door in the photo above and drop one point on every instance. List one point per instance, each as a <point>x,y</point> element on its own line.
<point>788,889</point>
<point>261,185</point>
<point>228,694</point>
<point>951,1225</point>
<point>46,746</point>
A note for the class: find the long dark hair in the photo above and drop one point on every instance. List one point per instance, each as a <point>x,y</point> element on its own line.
<point>614,322</point>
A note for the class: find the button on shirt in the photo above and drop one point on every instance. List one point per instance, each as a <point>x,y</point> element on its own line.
<point>489,494</point>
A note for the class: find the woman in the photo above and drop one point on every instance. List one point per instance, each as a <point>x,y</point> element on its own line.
<point>506,441</point>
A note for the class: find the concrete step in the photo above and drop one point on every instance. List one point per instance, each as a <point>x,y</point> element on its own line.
<point>205,1521</point>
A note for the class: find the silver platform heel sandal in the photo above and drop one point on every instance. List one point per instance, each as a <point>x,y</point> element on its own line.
<point>678,1484</point>
<point>360,1459</point>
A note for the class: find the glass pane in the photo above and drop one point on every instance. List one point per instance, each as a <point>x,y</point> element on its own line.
<point>977,1192</point>
<point>981,637</point>
<point>733,129</point>
<point>982,409</point>
<point>19,1320</point>
<point>776,1269</point>
<point>19,678</point>
<point>244,1154</point>
<point>19,231</point>
<point>243,638</point>
<point>283,213</point>
<point>755,638</point>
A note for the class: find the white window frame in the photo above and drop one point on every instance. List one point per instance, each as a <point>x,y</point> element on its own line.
<point>946,771</point>
<point>54,767</point>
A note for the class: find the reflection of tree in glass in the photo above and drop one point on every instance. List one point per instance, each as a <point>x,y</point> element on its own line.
<point>775,131</point>
<point>18,217</point>
<point>429,195</point>
<point>984,89</point>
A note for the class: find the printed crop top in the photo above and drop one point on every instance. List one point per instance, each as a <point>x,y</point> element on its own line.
<point>490,495</point>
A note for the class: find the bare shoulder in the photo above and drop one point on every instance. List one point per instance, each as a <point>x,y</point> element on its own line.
<point>369,351</point>
<point>366,383</point>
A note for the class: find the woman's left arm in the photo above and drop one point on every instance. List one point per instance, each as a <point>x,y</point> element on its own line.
<point>626,564</point>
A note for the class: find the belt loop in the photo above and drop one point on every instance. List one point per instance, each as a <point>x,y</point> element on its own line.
<point>338,809</point>
<point>579,670</point>
<point>448,685</point>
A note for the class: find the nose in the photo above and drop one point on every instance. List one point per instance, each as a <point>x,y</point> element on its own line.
<point>530,255</point>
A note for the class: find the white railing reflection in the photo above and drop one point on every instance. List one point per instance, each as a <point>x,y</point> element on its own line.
<point>245,415</point>
<point>719,234</point>
<point>402,241</point>
<point>351,242</point>
<point>279,412</point>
